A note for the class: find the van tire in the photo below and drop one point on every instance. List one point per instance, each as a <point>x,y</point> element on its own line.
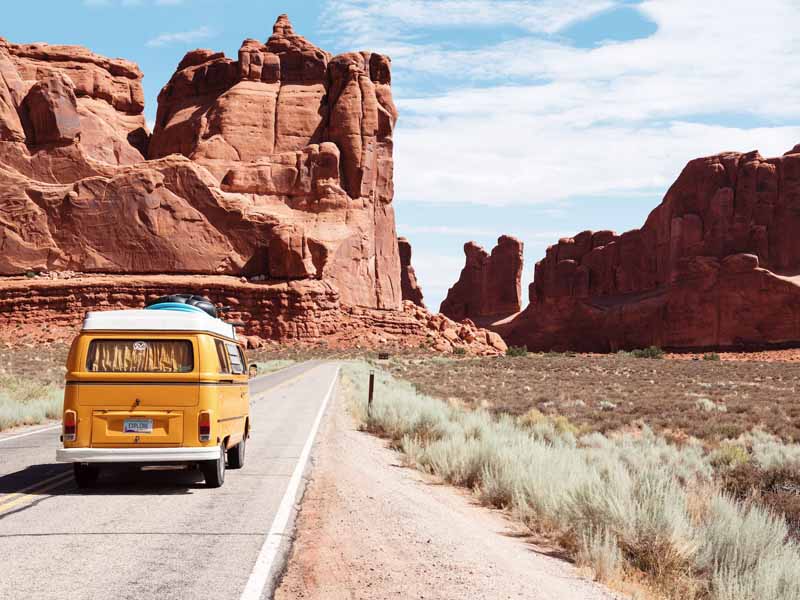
<point>214,470</point>
<point>236,455</point>
<point>85,475</point>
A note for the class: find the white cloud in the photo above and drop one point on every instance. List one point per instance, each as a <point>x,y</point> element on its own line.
<point>180,37</point>
<point>505,159</point>
<point>534,119</point>
<point>368,17</point>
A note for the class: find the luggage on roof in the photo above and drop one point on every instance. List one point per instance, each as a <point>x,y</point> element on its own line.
<point>200,302</point>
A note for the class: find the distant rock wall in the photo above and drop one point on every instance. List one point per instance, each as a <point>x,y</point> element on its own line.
<point>305,312</point>
<point>489,286</point>
<point>408,277</point>
<point>716,265</point>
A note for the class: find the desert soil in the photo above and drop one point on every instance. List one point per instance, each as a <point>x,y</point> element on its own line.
<point>710,400</point>
<point>371,529</point>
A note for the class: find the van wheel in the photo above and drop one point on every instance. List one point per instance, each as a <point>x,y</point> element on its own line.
<point>85,475</point>
<point>236,456</point>
<point>214,470</point>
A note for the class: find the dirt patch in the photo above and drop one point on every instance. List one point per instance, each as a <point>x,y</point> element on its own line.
<point>708,399</point>
<point>44,363</point>
<point>371,529</point>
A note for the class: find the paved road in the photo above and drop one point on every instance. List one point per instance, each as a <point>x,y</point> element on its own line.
<point>160,534</point>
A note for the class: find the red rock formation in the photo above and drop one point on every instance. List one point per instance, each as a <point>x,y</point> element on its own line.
<point>278,165</point>
<point>489,286</point>
<point>307,312</point>
<point>716,265</point>
<point>408,277</point>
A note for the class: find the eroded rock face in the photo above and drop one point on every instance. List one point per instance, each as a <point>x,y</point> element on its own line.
<point>489,287</point>
<point>408,277</point>
<point>715,265</point>
<point>276,165</point>
<point>303,312</point>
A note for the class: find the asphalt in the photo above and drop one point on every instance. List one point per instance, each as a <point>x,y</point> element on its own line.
<point>156,534</point>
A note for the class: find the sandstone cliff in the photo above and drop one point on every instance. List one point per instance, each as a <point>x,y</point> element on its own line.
<point>277,165</point>
<point>488,288</point>
<point>408,277</point>
<point>267,184</point>
<point>716,265</point>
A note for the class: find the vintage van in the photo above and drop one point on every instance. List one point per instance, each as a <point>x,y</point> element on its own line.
<point>167,384</point>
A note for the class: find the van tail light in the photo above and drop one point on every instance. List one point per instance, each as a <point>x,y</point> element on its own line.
<point>204,426</point>
<point>70,425</point>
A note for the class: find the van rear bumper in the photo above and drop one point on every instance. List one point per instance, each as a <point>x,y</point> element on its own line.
<point>136,455</point>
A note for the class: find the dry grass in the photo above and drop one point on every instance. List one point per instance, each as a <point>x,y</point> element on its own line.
<point>709,400</point>
<point>26,402</point>
<point>31,384</point>
<point>717,402</point>
<point>632,503</point>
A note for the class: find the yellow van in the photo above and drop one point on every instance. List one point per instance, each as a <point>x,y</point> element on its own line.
<point>167,384</point>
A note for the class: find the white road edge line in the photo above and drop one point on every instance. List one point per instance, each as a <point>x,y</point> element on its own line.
<point>269,551</point>
<point>27,433</point>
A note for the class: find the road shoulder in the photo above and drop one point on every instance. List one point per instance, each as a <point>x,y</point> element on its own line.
<point>369,528</point>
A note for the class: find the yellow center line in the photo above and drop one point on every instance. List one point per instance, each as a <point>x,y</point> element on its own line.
<point>6,497</point>
<point>35,491</point>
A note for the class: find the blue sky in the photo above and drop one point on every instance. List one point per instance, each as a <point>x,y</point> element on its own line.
<point>535,118</point>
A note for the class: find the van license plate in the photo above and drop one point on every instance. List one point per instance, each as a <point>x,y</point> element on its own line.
<point>138,426</point>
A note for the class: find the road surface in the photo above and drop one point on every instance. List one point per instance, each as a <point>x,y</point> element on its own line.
<point>161,534</point>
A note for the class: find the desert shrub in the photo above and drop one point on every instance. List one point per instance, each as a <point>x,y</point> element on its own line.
<point>26,402</point>
<point>460,351</point>
<point>729,456</point>
<point>517,351</point>
<point>713,356</point>
<point>746,552</point>
<point>777,488</point>
<point>769,451</point>
<point>534,419</point>
<point>600,551</point>
<point>707,405</point>
<point>650,352</point>
<point>626,502</point>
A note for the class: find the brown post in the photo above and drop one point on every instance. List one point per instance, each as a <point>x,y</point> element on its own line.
<point>371,392</point>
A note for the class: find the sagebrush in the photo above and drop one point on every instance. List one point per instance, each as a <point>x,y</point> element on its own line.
<point>626,503</point>
<point>26,402</point>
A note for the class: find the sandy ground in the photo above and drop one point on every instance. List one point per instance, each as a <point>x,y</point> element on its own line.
<point>371,529</point>
<point>791,355</point>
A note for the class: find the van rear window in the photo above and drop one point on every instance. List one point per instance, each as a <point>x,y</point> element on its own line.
<point>140,356</point>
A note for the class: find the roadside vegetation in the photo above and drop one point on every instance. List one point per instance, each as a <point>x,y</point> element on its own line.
<point>31,384</point>
<point>687,518</point>
<point>712,400</point>
<point>27,402</point>
<point>270,366</point>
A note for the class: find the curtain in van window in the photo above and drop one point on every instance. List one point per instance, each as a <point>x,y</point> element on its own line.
<point>140,356</point>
